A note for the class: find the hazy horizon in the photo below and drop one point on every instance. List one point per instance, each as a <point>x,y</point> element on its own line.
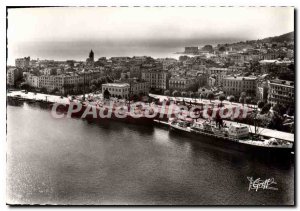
<point>70,32</point>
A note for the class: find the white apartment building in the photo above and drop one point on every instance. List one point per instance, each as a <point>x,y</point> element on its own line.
<point>117,89</point>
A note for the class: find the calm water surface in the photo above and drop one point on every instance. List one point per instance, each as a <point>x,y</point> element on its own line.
<point>51,161</point>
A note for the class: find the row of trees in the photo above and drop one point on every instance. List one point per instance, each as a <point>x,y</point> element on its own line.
<point>208,95</point>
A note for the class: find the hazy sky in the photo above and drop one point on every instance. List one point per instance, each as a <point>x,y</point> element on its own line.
<point>143,26</point>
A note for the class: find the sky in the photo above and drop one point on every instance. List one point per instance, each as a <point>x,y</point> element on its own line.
<point>116,30</point>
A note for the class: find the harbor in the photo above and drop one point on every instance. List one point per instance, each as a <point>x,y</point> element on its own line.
<point>112,162</point>
<point>39,97</point>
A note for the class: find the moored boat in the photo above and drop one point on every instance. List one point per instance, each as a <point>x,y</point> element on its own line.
<point>233,136</point>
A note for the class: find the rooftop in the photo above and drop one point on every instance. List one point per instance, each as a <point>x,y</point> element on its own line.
<point>240,78</point>
<point>119,85</point>
<point>282,82</point>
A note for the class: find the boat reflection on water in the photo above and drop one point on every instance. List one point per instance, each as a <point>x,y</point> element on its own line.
<point>231,155</point>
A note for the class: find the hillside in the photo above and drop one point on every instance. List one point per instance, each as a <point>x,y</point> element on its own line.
<point>285,37</point>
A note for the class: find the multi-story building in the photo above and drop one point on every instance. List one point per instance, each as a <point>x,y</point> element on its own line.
<point>157,79</point>
<point>211,81</point>
<point>49,71</point>
<point>181,83</point>
<point>234,85</point>
<point>13,74</point>
<point>139,87</point>
<point>262,90</point>
<point>33,80</point>
<point>68,83</point>
<point>135,71</point>
<point>117,89</point>
<point>22,62</point>
<point>219,73</point>
<point>191,50</point>
<point>281,92</point>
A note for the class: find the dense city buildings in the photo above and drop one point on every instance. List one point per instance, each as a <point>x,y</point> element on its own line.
<point>229,69</point>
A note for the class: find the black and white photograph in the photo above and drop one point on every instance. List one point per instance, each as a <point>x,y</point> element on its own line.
<point>156,105</point>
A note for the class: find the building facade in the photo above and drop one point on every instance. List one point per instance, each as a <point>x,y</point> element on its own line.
<point>13,74</point>
<point>139,88</point>
<point>156,79</point>
<point>117,89</point>
<point>281,92</point>
<point>233,85</point>
<point>68,83</point>
<point>219,73</point>
<point>191,50</point>
<point>22,62</point>
<point>181,83</point>
<point>262,90</point>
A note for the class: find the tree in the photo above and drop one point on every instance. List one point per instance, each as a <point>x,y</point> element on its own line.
<point>280,109</point>
<point>43,90</point>
<point>208,48</point>
<point>54,91</point>
<point>266,108</point>
<point>210,96</point>
<point>106,94</point>
<point>24,85</point>
<point>175,93</point>
<point>167,92</point>
<point>202,96</point>
<point>93,87</point>
<point>242,100</point>
<point>222,49</point>
<point>183,94</point>
<point>135,97</point>
<point>290,111</point>
<point>243,94</point>
<point>260,104</point>
<point>231,98</point>
<point>222,98</point>
<point>248,100</point>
